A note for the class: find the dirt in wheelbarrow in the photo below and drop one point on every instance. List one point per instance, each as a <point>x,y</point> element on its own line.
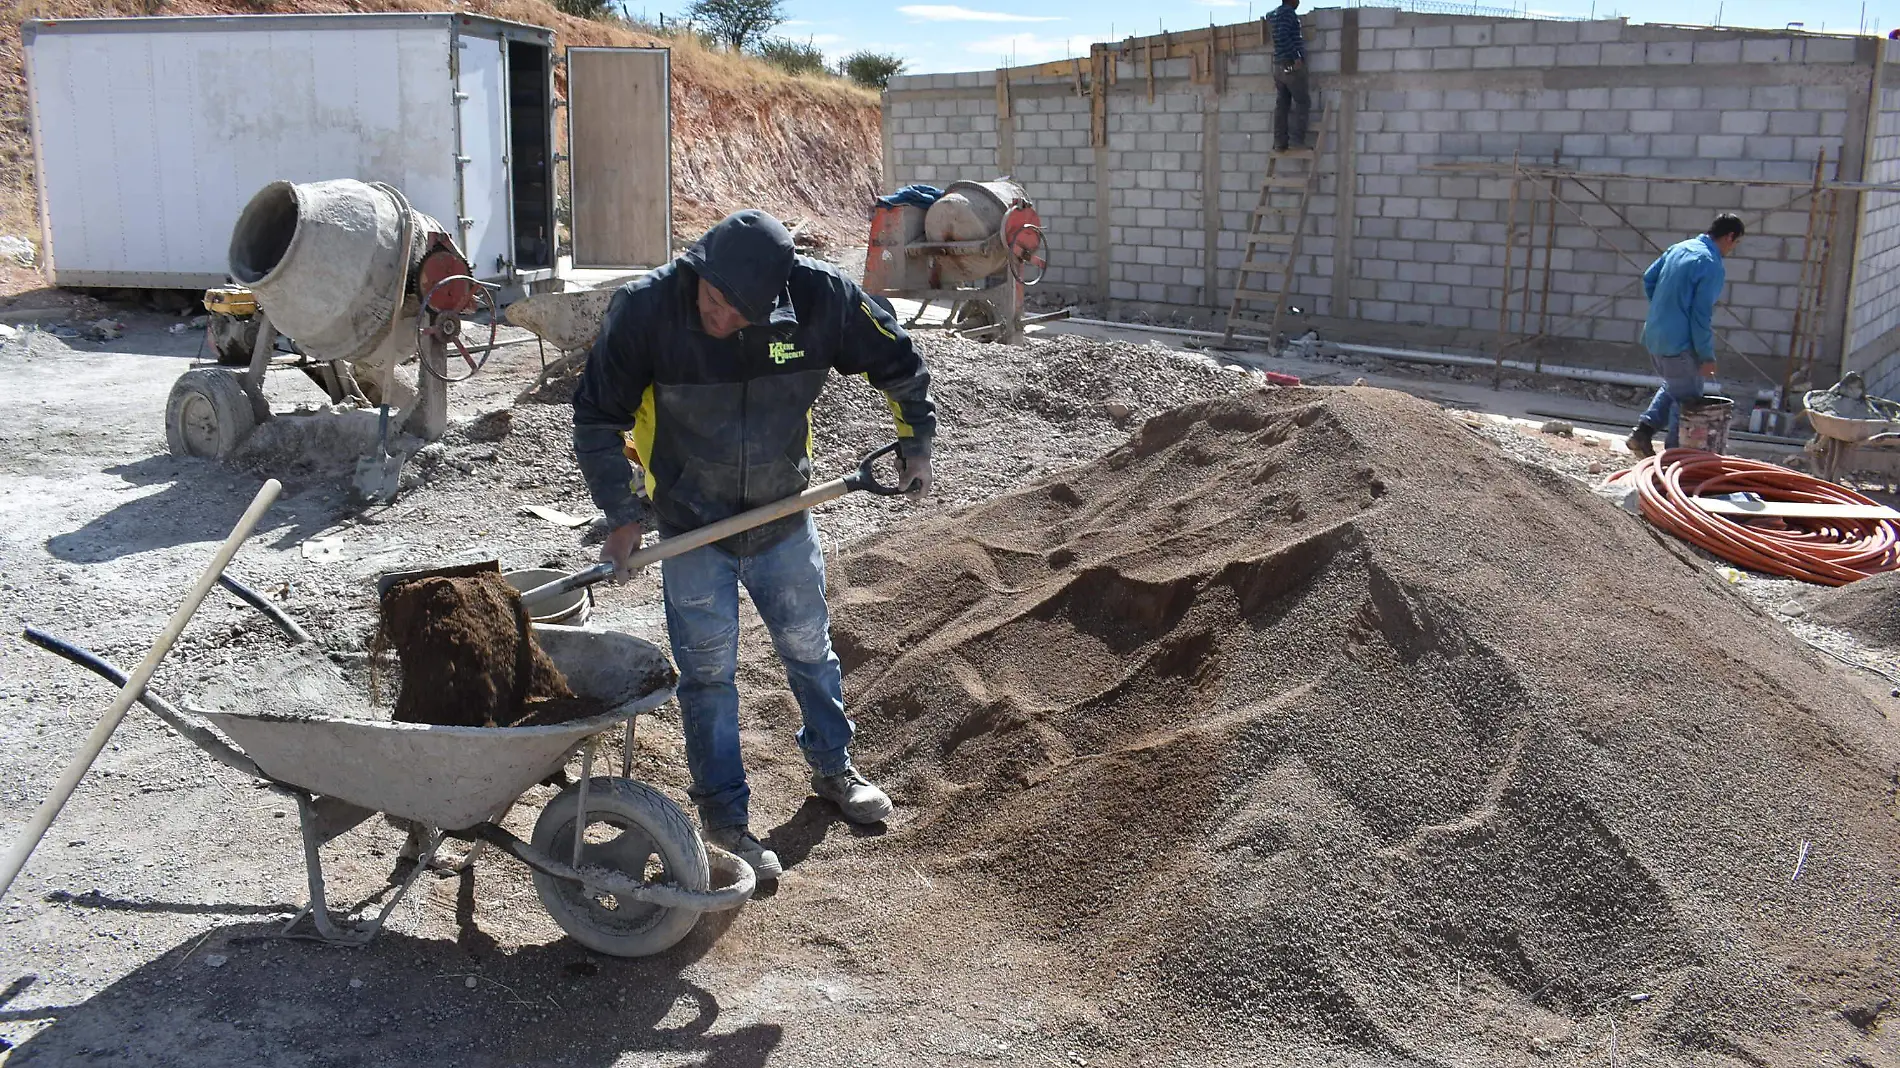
<point>469,658</point>
<point>1325,733</point>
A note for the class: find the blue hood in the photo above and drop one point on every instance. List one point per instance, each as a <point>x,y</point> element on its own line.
<point>748,255</point>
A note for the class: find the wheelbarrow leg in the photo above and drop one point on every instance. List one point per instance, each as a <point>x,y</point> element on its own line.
<point>319,909</point>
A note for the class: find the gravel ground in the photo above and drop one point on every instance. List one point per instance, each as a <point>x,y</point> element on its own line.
<point>139,933</point>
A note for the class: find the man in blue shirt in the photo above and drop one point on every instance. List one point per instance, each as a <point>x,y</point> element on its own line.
<point>1289,77</point>
<point>1682,286</point>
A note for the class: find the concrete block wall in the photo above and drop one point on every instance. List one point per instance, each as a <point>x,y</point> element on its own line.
<point>1874,317</point>
<point>1423,249</point>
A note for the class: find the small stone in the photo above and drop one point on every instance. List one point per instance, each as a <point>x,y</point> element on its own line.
<point>1558,426</point>
<point>1596,467</point>
<point>356,984</point>
<point>469,982</point>
<point>215,960</point>
<point>1117,410</point>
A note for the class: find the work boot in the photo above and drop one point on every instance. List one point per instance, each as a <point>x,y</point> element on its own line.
<point>739,842</point>
<point>854,795</point>
<point>1642,440</point>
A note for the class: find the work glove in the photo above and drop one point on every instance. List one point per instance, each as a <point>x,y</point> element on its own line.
<point>915,475</point>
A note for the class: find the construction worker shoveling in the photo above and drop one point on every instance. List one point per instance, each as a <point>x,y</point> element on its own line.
<point>714,362</point>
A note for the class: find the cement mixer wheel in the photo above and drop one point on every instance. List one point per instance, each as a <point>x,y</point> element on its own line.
<point>208,414</point>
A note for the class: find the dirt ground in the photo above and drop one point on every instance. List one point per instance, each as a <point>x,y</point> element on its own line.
<point>142,931</point>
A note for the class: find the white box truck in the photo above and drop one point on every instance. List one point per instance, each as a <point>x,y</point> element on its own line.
<point>151,134</point>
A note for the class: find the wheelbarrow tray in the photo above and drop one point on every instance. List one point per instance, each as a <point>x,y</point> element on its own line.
<point>455,777</point>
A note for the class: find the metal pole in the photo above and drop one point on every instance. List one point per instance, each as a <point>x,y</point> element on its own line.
<point>580,801</point>
<point>1550,244</point>
<point>1510,251</point>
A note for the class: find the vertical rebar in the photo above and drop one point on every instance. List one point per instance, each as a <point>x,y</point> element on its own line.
<point>580,801</point>
<point>1510,253</point>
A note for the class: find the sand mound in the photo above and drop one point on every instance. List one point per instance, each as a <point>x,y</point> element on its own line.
<point>1868,609</point>
<point>1315,724</point>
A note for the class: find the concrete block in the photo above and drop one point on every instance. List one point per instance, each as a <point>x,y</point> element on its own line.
<point>1624,54</point>
<point>1718,52</point>
<point>1396,39</point>
<point>1605,121</point>
<point>1679,98</point>
<point>1416,229</point>
<point>1699,122</point>
<point>1827,50</point>
<point>1418,144</point>
<point>1824,97</point>
<point>1415,272</point>
<point>1412,60</point>
<point>1652,122</point>
<point>1633,98</point>
<point>1451,59</point>
<point>1438,208</point>
<point>1770,149</point>
<point>1664,53</point>
<point>1395,290</point>
<point>1459,144</point>
<point>1627,146</point>
<point>1512,33</point>
<point>1400,207</point>
<point>1396,251</point>
<point>1431,37</point>
<point>1587,99</point>
<point>1433,252</point>
<point>1418,185</point>
<point>1600,30</point>
<point>1833,123</point>
<point>1561,122</point>
<point>1579,55</point>
<point>1726,98</point>
<point>1479,121</point>
<point>1785,172</point>
<point>1378,17</point>
<point>1471,35</point>
<point>1746,123</point>
<point>1765,51</point>
<point>1376,62</point>
<point>1556,33</point>
<point>1586,145</point>
<point>1538,56</point>
<point>1479,211</point>
<point>1517,121</point>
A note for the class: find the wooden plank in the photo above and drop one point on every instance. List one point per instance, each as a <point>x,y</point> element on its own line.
<point>1794,510</point>
<point>620,156</point>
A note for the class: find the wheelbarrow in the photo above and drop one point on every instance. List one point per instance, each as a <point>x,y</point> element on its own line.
<point>1846,420</point>
<point>616,863</point>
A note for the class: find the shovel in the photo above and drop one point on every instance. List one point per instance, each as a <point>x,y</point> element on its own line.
<point>378,477</point>
<point>864,478</point>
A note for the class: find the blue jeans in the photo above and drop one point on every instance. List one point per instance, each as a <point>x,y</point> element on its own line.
<point>1682,382</point>
<point>787,584</point>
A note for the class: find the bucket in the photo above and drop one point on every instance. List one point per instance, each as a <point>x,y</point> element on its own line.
<point>327,261</point>
<point>572,607</point>
<point>1704,423</point>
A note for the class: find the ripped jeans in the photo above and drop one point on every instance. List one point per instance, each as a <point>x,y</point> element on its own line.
<point>787,584</point>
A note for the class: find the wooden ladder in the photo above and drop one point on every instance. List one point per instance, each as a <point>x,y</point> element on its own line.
<point>1274,233</point>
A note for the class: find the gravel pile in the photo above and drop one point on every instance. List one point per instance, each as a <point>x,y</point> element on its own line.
<point>1319,723</point>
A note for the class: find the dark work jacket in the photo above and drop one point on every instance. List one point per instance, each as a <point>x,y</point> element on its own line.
<point>725,425</point>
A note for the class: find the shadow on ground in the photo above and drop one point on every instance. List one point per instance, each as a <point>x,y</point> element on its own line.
<point>238,997</point>
<point>201,501</point>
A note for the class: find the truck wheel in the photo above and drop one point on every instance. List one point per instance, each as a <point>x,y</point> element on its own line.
<point>232,338</point>
<point>209,414</point>
<point>632,829</point>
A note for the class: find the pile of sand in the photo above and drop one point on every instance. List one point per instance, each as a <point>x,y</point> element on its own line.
<point>1868,609</point>
<point>1322,730</point>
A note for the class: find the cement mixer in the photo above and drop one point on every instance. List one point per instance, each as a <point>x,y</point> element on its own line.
<point>976,246</point>
<point>358,282</point>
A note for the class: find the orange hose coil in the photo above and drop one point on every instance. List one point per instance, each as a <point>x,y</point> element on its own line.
<point>1830,552</point>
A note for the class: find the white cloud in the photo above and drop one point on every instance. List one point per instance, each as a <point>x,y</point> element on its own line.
<point>954,13</point>
<point>1024,47</point>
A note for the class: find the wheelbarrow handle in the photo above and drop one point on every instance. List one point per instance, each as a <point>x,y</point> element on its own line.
<point>864,478</point>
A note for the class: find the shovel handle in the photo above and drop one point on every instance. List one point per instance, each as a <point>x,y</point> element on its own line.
<point>864,478</point>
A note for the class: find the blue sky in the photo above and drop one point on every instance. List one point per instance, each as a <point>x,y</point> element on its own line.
<point>935,36</point>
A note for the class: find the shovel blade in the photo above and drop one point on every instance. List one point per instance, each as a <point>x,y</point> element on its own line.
<point>378,477</point>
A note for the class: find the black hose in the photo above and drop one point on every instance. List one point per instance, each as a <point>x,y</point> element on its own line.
<point>271,612</point>
<point>220,750</point>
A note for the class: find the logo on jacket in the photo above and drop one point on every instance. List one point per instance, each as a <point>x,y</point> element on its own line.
<point>783,352</point>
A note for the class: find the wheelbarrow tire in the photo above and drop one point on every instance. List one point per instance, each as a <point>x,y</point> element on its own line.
<point>650,825</point>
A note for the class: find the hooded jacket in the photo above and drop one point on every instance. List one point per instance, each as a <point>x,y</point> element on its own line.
<point>724,425</point>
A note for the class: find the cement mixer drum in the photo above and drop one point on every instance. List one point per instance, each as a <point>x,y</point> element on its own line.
<point>329,261</point>
<point>973,211</point>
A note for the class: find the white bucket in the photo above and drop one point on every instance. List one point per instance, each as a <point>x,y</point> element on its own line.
<point>571,608</point>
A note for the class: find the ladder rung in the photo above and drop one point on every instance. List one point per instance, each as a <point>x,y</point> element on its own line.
<point>1298,182</point>
<point>1263,268</point>
<point>1256,294</point>
<point>1295,153</point>
<point>1269,239</point>
<point>1272,209</point>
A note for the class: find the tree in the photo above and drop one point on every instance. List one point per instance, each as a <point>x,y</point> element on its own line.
<point>873,70</point>
<point>737,23</point>
<point>792,57</point>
